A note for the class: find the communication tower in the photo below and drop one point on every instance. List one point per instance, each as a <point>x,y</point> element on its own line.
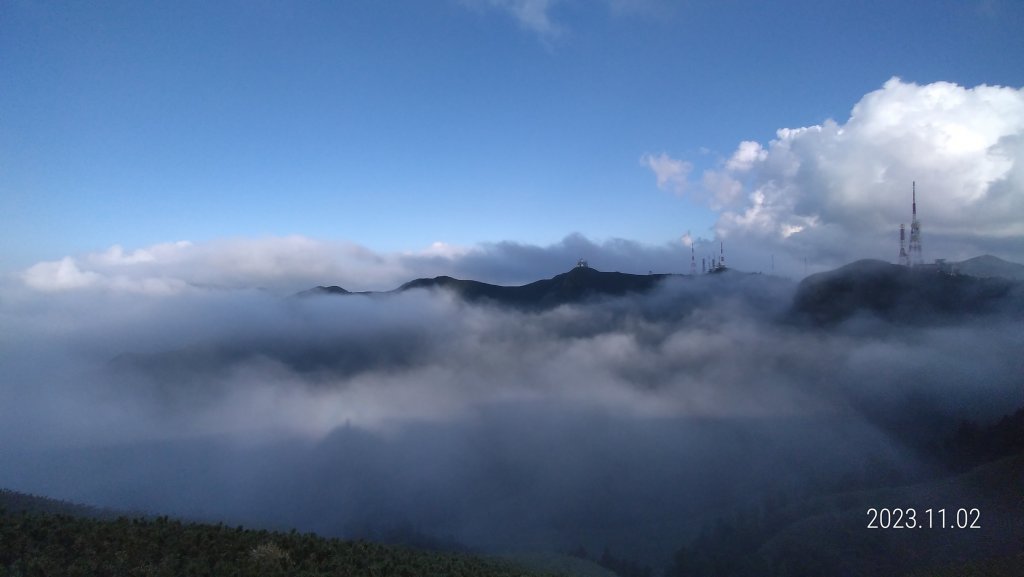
<point>916,259</point>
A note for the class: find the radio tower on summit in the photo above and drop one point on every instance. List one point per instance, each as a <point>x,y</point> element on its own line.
<point>904,257</point>
<point>693,262</point>
<point>915,232</point>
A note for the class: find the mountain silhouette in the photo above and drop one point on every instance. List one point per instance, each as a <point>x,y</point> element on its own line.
<point>579,284</point>
<point>925,294</point>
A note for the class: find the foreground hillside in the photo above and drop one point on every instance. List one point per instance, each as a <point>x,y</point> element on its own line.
<point>44,544</point>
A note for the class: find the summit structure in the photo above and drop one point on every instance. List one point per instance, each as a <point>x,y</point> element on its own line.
<point>916,258</point>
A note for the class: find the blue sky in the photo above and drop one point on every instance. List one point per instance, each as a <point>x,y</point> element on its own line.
<point>397,125</point>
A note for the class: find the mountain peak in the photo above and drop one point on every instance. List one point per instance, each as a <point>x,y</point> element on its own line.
<point>577,284</point>
<point>324,290</point>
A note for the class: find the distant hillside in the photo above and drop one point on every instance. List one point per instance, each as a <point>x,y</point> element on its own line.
<point>988,266</point>
<point>323,290</point>
<point>579,284</point>
<point>900,294</point>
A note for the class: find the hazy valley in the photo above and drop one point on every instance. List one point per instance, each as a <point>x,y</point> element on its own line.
<point>593,411</point>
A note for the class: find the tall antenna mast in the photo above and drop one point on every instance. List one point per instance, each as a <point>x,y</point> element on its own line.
<point>904,258</point>
<point>693,261</point>
<point>916,259</point>
<point>721,261</point>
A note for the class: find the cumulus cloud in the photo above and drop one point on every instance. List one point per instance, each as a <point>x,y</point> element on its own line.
<point>838,191</point>
<point>747,154</point>
<point>671,173</point>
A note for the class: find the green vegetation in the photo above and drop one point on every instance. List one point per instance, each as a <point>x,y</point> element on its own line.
<point>46,544</point>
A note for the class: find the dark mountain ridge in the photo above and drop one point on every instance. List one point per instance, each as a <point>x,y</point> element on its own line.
<point>579,284</point>
<point>978,286</point>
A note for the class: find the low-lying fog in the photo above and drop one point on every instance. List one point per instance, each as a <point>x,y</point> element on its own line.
<point>625,422</point>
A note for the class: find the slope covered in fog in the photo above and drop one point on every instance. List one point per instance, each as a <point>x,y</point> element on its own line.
<point>901,294</point>
<point>986,266</point>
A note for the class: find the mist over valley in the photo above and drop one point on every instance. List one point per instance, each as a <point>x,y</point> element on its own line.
<point>601,410</point>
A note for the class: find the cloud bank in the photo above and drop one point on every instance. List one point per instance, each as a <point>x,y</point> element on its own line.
<point>290,264</point>
<point>625,422</point>
<point>838,191</point>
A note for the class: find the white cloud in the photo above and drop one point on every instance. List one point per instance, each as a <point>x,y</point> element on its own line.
<point>748,154</point>
<point>671,173</point>
<point>441,249</point>
<point>724,190</point>
<point>275,263</point>
<point>836,192</point>
<point>59,275</point>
